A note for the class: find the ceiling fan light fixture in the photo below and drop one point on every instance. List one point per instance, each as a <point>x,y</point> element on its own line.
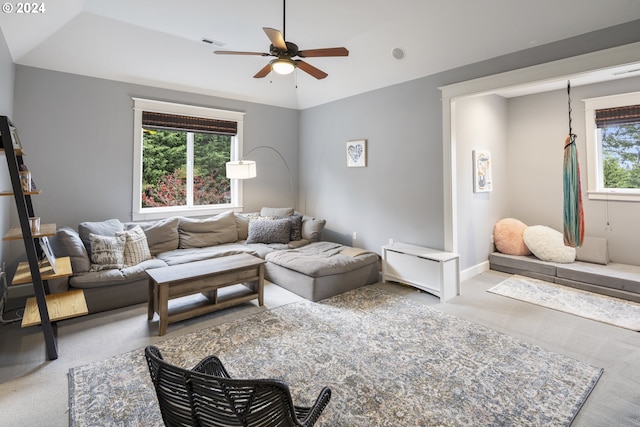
<point>283,66</point>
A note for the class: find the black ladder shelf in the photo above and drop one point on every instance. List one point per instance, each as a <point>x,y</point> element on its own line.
<point>33,270</point>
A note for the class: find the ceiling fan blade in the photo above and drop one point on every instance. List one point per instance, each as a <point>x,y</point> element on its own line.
<point>330,51</point>
<point>310,69</point>
<point>264,72</point>
<point>276,38</point>
<point>232,52</point>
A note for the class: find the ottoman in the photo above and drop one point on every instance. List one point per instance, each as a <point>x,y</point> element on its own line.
<point>321,270</point>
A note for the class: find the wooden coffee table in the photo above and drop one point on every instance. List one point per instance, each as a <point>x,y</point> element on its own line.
<point>205,277</point>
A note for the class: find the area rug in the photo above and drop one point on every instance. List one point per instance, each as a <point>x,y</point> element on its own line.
<point>389,361</point>
<point>613,311</point>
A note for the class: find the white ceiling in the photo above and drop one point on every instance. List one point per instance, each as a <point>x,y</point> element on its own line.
<point>159,42</point>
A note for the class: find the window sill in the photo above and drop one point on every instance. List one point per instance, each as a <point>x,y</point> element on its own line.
<point>616,196</point>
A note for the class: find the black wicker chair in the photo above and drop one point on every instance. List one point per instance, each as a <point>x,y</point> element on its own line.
<point>207,396</point>
<point>169,383</point>
<point>219,401</point>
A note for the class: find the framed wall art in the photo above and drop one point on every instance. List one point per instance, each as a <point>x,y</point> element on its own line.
<point>357,153</point>
<point>482,181</point>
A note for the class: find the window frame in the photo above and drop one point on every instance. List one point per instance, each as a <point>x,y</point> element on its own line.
<point>594,148</point>
<point>141,214</point>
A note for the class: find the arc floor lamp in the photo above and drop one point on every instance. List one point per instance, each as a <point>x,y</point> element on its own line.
<point>246,169</point>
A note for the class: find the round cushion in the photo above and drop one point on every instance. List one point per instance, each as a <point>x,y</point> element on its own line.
<point>548,244</point>
<point>507,236</point>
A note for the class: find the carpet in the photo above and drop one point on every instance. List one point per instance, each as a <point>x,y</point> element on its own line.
<point>389,361</point>
<point>613,311</point>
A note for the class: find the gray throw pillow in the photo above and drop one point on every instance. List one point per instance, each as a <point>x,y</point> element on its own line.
<point>68,243</point>
<point>312,228</point>
<point>296,227</point>
<point>269,231</point>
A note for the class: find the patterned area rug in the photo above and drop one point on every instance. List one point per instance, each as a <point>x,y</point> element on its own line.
<point>614,311</point>
<point>389,361</point>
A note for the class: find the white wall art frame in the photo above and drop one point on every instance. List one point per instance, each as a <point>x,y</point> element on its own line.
<point>357,153</point>
<point>482,181</point>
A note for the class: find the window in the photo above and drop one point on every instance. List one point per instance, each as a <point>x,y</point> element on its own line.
<point>179,159</point>
<point>613,147</point>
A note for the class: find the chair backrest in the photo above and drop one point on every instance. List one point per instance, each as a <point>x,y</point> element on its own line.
<point>169,383</point>
<point>240,402</point>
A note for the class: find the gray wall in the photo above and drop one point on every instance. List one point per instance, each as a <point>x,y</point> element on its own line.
<point>400,194</point>
<point>78,132</point>
<point>481,125</point>
<point>7,73</point>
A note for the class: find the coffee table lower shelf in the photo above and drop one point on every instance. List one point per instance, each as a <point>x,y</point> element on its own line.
<point>206,277</point>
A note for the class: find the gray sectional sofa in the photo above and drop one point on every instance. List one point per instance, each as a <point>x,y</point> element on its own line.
<point>594,274</point>
<point>290,243</point>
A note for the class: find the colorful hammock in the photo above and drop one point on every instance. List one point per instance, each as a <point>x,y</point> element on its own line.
<point>573,213</point>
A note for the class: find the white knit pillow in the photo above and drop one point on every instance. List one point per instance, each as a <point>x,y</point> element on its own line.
<point>548,244</point>
<point>136,248</point>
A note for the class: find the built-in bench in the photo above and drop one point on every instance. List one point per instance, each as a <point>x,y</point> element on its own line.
<point>613,279</point>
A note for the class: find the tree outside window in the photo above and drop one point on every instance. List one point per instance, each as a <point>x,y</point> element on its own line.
<point>168,179</point>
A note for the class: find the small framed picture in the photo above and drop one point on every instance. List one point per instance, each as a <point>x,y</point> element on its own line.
<point>482,181</point>
<point>15,139</point>
<point>48,252</point>
<point>357,153</point>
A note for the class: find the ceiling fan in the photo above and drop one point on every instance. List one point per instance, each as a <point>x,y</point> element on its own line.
<point>285,52</point>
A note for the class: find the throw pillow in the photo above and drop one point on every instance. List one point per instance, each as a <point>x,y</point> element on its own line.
<point>269,231</point>
<point>68,243</point>
<point>136,248</point>
<point>107,252</point>
<point>312,228</point>
<point>507,236</point>
<point>548,244</point>
<point>296,226</point>
<point>200,233</point>
<point>102,228</point>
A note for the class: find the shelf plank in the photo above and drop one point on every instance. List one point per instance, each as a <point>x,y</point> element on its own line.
<point>64,305</point>
<point>26,193</point>
<point>23,273</point>
<point>46,230</point>
<point>18,151</point>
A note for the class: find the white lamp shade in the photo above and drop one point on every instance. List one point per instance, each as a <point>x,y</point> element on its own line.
<point>283,66</point>
<point>244,169</point>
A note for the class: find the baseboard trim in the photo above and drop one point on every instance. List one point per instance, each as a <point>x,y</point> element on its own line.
<point>474,270</point>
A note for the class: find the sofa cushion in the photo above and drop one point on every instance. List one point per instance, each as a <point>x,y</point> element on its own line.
<point>107,252</point>
<point>136,248</point>
<point>199,233</point>
<point>548,244</point>
<point>276,211</point>
<point>161,235</point>
<point>68,243</point>
<point>507,236</point>
<point>102,228</point>
<point>312,228</point>
<point>242,223</point>
<point>269,231</point>
<point>182,256</point>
